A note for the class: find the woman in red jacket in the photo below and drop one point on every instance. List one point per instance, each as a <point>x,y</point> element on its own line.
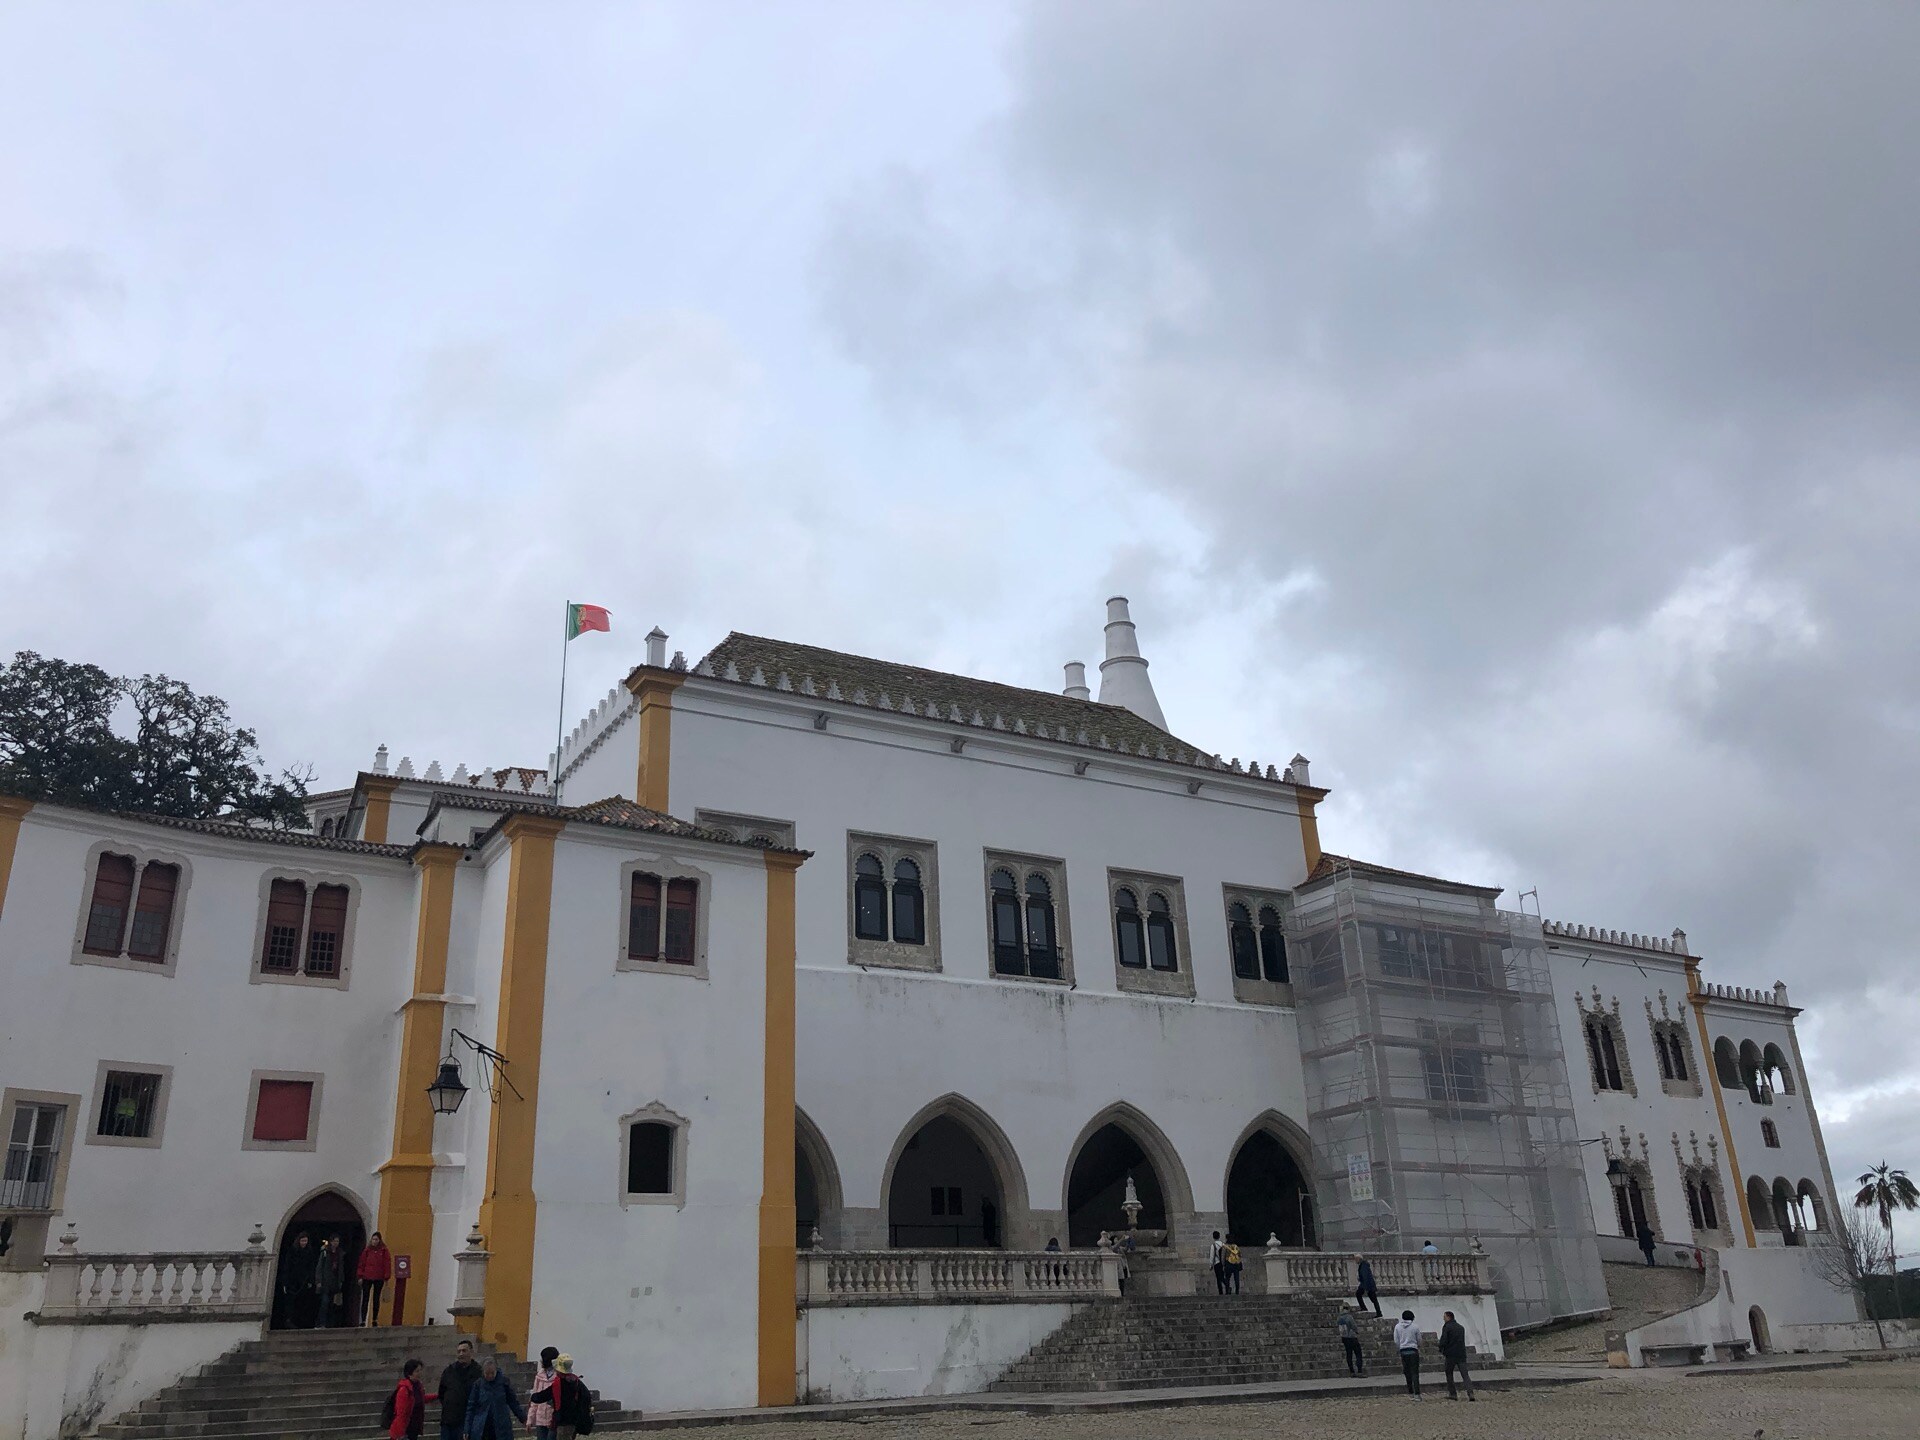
<point>375,1269</point>
<point>409,1406</point>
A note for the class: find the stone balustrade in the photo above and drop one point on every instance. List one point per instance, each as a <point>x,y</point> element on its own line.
<point>156,1288</point>
<point>1312,1272</point>
<point>950,1277</point>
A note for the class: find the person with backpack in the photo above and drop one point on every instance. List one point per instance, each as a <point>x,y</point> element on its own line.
<point>492,1407</point>
<point>1230,1262</point>
<point>540,1405</point>
<point>1349,1332</point>
<point>374,1269</point>
<point>573,1402</point>
<point>1217,1262</point>
<point>404,1415</point>
<point>1406,1339</point>
<point>456,1382</point>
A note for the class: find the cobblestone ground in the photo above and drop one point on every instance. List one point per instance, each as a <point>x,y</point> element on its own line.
<point>1863,1402</point>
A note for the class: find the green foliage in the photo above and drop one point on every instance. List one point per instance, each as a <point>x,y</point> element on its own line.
<point>186,757</point>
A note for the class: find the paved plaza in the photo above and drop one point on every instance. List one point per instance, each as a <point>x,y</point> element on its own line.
<point>1859,1402</point>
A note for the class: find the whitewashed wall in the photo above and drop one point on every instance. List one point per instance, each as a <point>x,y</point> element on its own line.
<point>886,1352</point>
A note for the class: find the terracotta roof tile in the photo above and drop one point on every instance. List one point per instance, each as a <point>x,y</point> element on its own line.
<point>1332,865</point>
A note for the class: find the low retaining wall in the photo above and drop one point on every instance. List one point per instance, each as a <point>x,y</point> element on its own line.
<point>886,1352</point>
<point>1757,1301</point>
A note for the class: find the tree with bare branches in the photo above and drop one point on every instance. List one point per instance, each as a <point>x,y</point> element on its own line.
<point>1847,1253</point>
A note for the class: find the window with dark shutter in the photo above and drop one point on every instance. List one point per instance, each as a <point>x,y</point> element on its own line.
<point>1679,1049</point>
<point>1129,934</point>
<point>650,1158</point>
<point>283,1110</point>
<point>107,915</point>
<point>1043,946</point>
<point>909,905</point>
<point>869,899</point>
<point>1162,952</point>
<point>682,898</point>
<point>1242,942</point>
<point>643,918</point>
<point>1009,953</point>
<point>327,930</point>
<point>153,911</point>
<point>286,913</point>
<point>1273,947</point>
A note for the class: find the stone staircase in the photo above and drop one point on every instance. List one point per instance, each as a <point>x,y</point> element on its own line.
<point>1197,1340</point>
<point>311,1385</point>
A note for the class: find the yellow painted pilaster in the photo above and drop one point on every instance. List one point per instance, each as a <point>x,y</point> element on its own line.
<point>1309,833</point>
<point>654,690</point>
<point>1696,995</point>
<point>406,1180</point>
<point>508,1213</point>
<point>373,826</point>
<point>12,811</point>
<point>779,1311</point>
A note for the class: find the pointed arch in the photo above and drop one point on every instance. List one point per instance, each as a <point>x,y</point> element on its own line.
<point>811,1143</point>
<point>1296,1209</point>
<point>1002,1158</point>
<point>1152,1141</point>
<point>346,1193</point>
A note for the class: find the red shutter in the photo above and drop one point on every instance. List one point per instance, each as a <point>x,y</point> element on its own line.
<point>327,930</point>
<point>681,897</point>
<point>286,912</point>
<point>107,915</point>
<point>283,1110</point>
<point>153,912</point>
<point>643,919</point>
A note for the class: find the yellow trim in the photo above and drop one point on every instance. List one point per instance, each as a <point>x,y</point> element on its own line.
<point>1698,997</point>
<point>507,1214</point>
<point>373,825</point>
<point>1309,834</point>
<point>779,1311</point>
<point>406,1180</point>
<point>12,811</point>
<point>654,690</point>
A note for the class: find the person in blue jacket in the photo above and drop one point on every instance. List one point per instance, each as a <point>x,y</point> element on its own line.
<point>492,1407</point>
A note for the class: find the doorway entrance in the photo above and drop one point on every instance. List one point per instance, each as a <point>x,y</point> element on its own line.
<point>1267,1195</point>
<point>945,1192</point>
<point>1097,1185</point>
<point>298,1303</point>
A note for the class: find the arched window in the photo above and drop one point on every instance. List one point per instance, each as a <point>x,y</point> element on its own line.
<point>1753,1074</point>
<point>1813,1211</point>
<point>326,827</point>
<point>869,899</point>
<point>1273,946</point>
<point>909,904</point>
<point>1769,1135</point>
<point>1695,1211</point>
<point>1726,1064</point>
<point>1773,1065</point>
<point>1009,951</point>
<point>1632,1206</point>
<point>1129,933</point>
<point>1162,952</point>
<point>1677,1055</point>
<point>1603,1053</point>
<point>643,918</point>
<point>1243,942</point>
<point>1709,1208</point>
<point>1043,944</point>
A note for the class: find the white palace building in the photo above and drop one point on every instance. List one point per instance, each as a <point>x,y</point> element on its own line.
<point>825,992</point>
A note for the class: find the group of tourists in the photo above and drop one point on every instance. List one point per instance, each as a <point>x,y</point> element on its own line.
<point>316,1286</point>
<point>478,1402</point>
<point>1223,1258</point>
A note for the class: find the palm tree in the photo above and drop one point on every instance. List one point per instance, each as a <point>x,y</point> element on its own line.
<point>1882,1189</point>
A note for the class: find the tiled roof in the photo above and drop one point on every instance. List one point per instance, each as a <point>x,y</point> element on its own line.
<point>614,812</point>
<point>232,830</point>
<point>956,699</point>
<point>1332,865</point>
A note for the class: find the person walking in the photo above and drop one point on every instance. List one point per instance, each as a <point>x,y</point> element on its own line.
<point>1217,1262</point>
<point>1643,1232</point>
<point>492,1407</point>
<point>1406,1339</point>
<point>572,1400</point>
<point>1366,1289</point>
<point>540,1405</point>
<point>1230,1257</point>
<point>296,1284</point>
<point>1350,1341</point>
<point>409,1405</point>
<point>456,1383</point>
<point>1453,1354</point>
<point>330,1282</point>
<point>374,1269</point>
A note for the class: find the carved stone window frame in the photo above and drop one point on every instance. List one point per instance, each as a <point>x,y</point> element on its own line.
<point>142,856</point>
<point>665,868</point>
<point>747,828</point>
<point>1051,868</point>
<point>889,850</point>
<point>654,1113</point>
<point>1260,991</point>
<point>1609,1018</point>
<point>256,975</point>
<point>1146,980</point>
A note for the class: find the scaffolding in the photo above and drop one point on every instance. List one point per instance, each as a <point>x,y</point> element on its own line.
<point>1437,1099</point>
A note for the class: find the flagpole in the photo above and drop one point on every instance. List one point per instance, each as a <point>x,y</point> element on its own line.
<point>560,725</point>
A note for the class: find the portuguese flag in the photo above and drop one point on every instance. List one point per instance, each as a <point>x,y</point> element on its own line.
<point>587,617</point>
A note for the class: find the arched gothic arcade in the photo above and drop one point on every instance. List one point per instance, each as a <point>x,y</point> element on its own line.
<point>953,1179</point>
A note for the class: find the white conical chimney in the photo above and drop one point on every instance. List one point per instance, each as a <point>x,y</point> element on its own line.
<point>1077,682</point>
<point>1123,674</point>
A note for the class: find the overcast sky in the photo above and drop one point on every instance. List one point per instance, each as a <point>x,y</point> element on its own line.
<point>1510,406</point>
